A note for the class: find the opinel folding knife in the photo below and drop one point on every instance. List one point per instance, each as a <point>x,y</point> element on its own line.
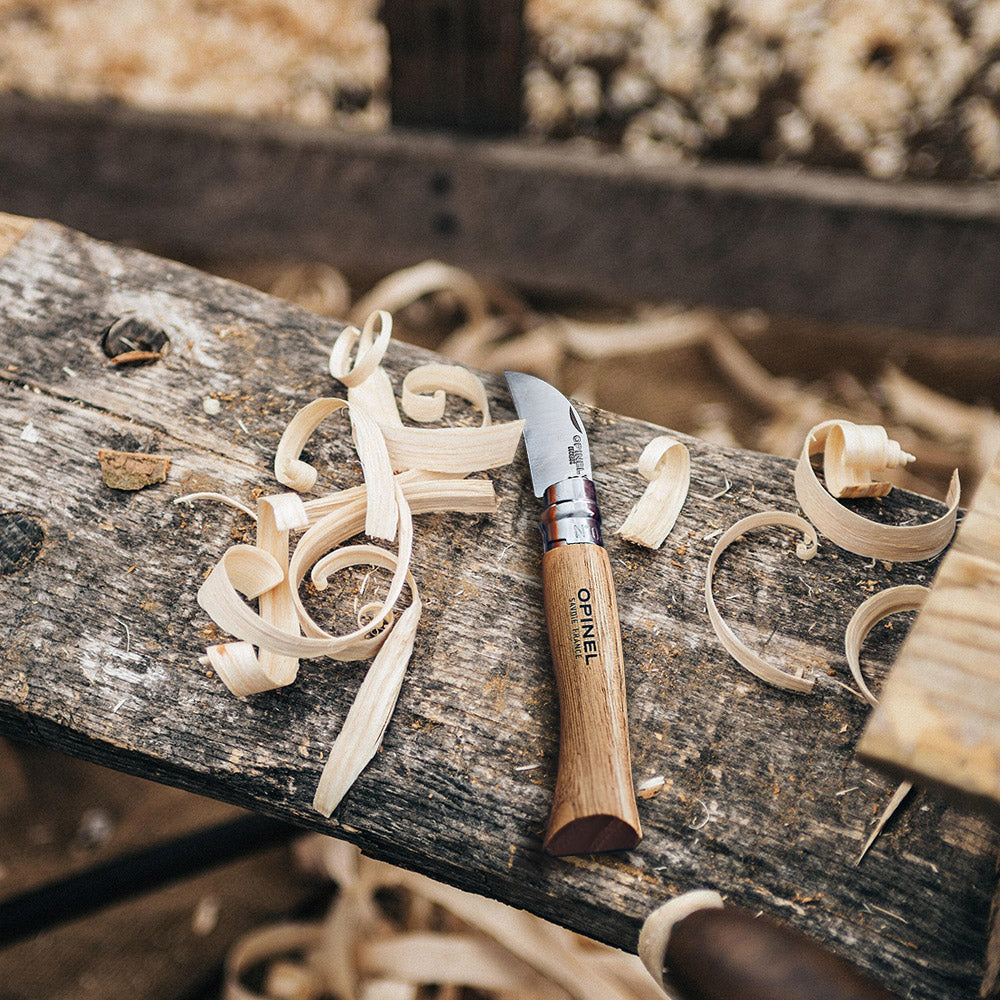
<point>594,807</point>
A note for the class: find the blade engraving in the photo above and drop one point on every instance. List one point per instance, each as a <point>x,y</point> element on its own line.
<point>554,436</point>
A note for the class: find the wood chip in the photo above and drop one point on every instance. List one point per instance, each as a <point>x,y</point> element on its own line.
<point>129,470</point>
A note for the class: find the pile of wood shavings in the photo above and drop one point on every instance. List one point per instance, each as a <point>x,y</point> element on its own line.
<point>316,62</point>
<point>407,470</point>
<point>903,88</point>
<point>433,942</point>
<point>692,369</point>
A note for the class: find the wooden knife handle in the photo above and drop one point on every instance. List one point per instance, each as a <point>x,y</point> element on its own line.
<point>594,808</point>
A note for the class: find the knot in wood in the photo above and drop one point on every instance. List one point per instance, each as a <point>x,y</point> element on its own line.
<point>21,538</point>
<point>132,340</point>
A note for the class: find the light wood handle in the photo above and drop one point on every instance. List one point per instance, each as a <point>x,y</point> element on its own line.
<point>594,808</point>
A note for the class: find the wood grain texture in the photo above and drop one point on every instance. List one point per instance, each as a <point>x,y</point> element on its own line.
<point>938,718</point>
<point>100,636</point>
<point>793,242</point>
<point>593,808</point>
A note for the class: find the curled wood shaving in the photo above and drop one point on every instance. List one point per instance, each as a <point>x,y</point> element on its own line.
<point>666,464</point>
<point>220,596</point>
<point>853,453</point>
<point>742,653</point>
<point>289,470</point>
<point>908,597</point>
<point>406,286</point>
<point>458,450</point>
<point>851,531</point>
<point>438,380</point>
<point>370,349</point>
<point>655,933</point>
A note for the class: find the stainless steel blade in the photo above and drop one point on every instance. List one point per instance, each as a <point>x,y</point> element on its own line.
<point>553,432</point>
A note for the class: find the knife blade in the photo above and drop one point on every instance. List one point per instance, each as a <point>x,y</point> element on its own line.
<point>594,805</point>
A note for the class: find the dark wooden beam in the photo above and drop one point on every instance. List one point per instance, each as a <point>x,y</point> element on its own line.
<point>543,217</point>
<point>456,64</point>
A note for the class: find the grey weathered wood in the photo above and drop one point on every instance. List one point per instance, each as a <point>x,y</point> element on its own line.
<point>100,636</point>
<point>918,255</point>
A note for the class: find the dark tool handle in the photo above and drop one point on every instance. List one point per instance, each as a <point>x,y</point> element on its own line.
<point>728,954</point>
<point>594,807</point>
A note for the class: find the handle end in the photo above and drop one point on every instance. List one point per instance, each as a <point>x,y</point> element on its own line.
<point>591,834</point>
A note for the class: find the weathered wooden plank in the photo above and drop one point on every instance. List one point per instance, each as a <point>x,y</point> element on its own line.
<point>938,719</point>
<point>100,637</point>
<point>916,255</point>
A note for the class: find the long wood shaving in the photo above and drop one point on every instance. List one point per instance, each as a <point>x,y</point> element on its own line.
<point>742,653</point>
<point>908,597</point>
<point>405,470</point>
<point>851,531</point>
<point>290,471</point>
<point>369,715</point>
<point>666,464</point>
<point>277,517</point>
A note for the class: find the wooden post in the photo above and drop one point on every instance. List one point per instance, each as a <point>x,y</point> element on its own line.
<point>456,64</point>
<point>937,718</point>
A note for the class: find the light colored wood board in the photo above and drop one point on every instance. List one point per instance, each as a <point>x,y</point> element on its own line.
<point>938,718</point>
<point>765,799</point>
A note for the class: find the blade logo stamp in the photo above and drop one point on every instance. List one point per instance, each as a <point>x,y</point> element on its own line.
<point>576,455</point>
<point>581,620</point>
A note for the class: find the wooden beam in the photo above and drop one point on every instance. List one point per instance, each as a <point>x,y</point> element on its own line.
<point>543,217</point>
<point>938,718</point>
<point>456,64</point>
<point>100,639</point>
